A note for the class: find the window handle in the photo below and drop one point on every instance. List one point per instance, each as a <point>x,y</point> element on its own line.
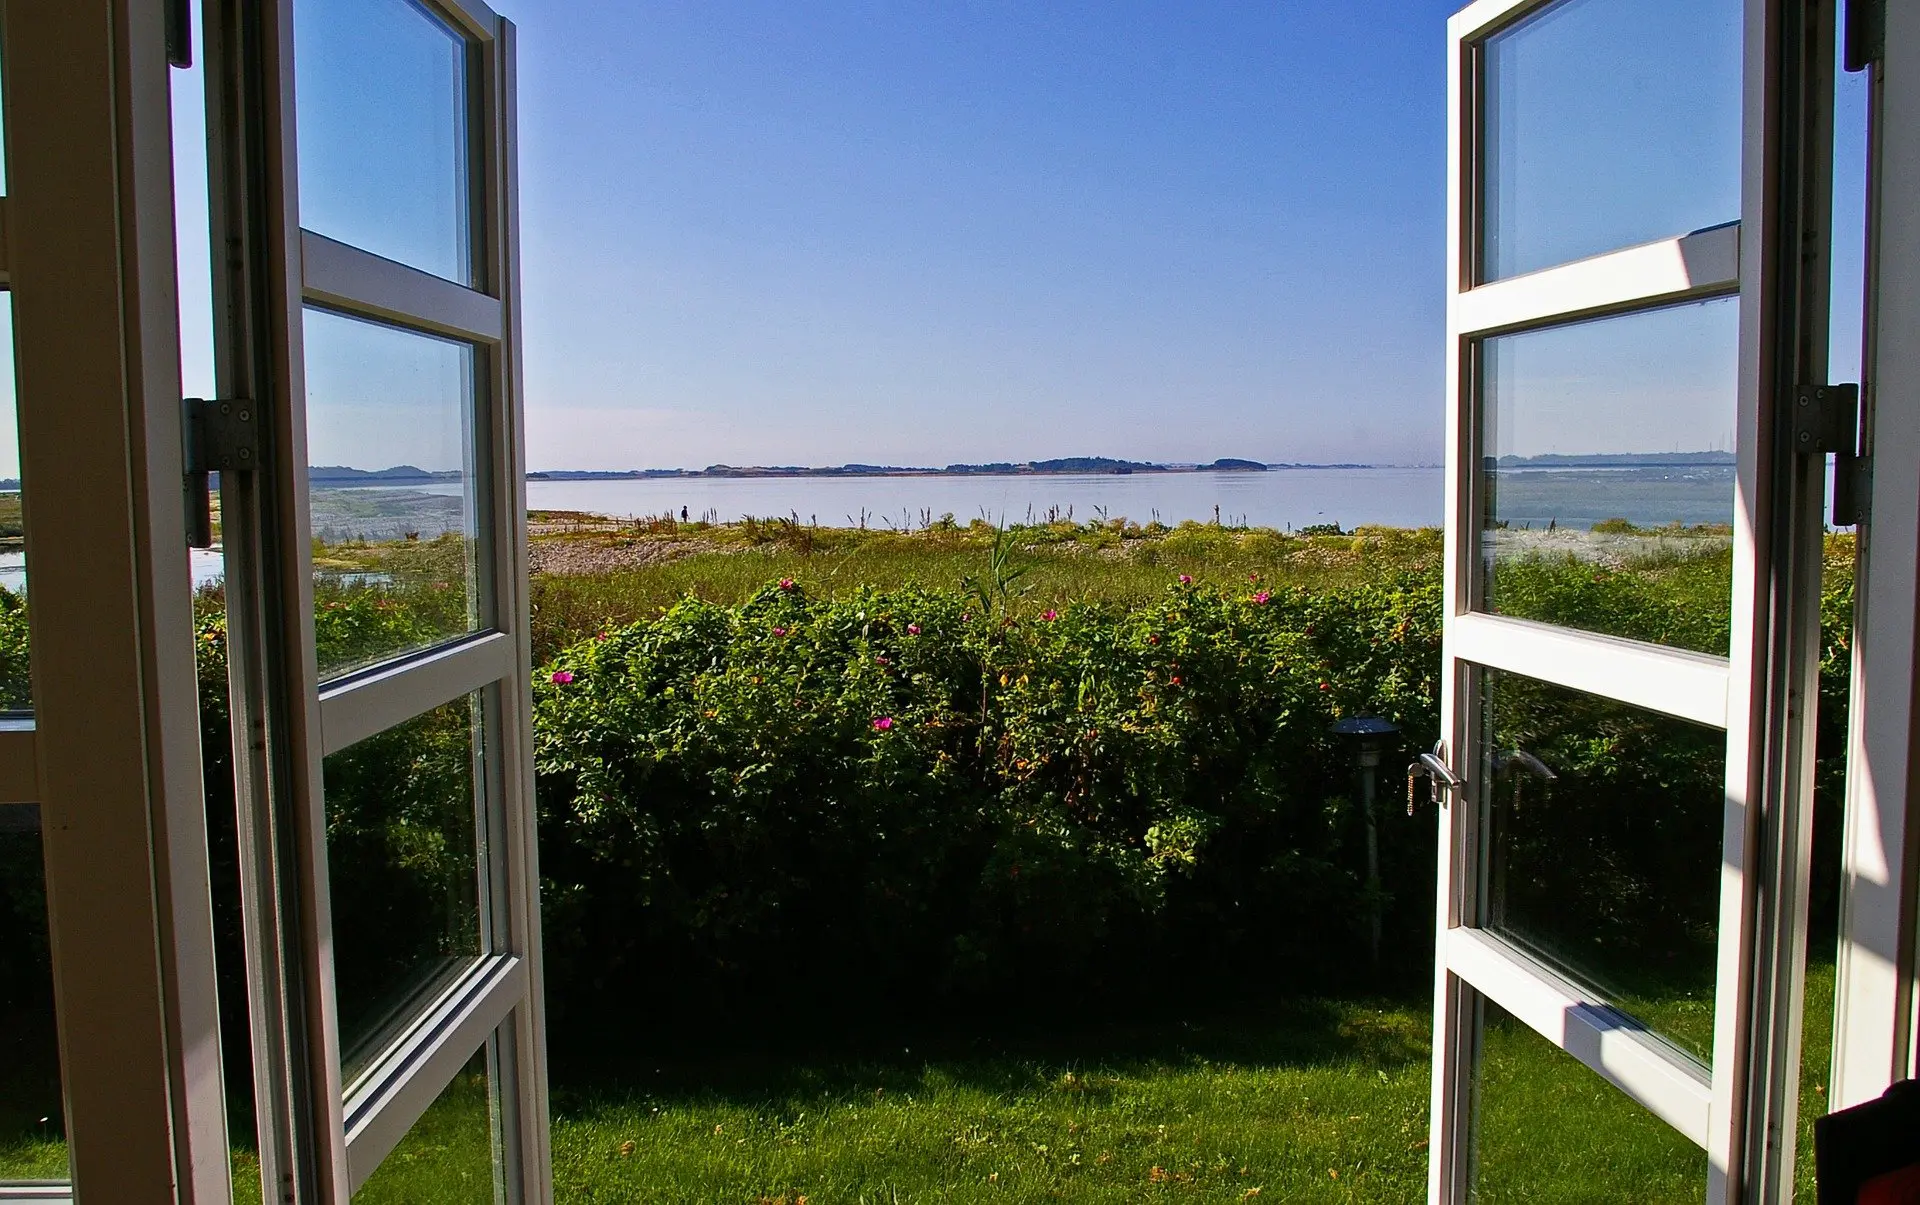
<point>215,437</point>
<point>1440,777</point>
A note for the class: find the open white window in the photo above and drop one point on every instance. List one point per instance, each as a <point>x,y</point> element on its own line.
<point>377,590</point>
<point>1633,527</point>
<point>1877,1015</point>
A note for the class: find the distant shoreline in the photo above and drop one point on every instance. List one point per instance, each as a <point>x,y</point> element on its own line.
<point>325,476</point>
<point>728,472</point>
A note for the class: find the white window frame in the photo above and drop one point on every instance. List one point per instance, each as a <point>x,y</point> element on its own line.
<point>327,1135</point>
<point>111,752</point>
<point>1733,1109</point>
<point>1877,998</point>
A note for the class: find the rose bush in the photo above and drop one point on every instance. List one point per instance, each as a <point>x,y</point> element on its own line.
<point>893,792</point>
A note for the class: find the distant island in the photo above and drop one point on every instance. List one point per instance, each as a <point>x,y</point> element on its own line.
<point>399,474</point>
<point>1070,465</point>
<point>1617,460</point>
<point>336,476</point>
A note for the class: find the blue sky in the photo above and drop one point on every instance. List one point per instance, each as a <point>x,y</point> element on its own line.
<point>761,232</point>
<point>935,232</point>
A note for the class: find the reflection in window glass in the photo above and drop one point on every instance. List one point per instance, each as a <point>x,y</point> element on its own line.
<point>15,683</point>
<point>1609,123</point>
<point>402,842</point>
<point>32,1123</point>
<point>1603,826</point>
<point>450,1156</point>
<point>394,495</point>
<point>1546,1128</point>
<point>1609,474</point>
<point>382,111</point>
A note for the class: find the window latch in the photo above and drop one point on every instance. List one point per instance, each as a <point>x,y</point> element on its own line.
<point>1440,777</point>
<point>1826,421</point>
<point>215,437</point>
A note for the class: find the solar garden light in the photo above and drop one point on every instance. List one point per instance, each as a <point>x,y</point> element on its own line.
<point>1370,736</point>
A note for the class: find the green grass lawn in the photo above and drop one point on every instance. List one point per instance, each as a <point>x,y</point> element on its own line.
<point>1303,1101</point>
<point>1308,1101</point>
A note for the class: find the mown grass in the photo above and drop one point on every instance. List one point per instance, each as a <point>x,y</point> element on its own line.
<point>1308,1100</point>
<point>1303,1100</point>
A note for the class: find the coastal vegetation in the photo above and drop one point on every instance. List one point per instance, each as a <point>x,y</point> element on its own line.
<point>590,571</point>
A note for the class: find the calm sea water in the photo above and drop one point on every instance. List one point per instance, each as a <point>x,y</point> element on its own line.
<point>1278,498</point>
<point>206,565</point>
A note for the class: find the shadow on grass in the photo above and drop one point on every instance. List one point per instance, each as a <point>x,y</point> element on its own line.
<point>758,1069</point>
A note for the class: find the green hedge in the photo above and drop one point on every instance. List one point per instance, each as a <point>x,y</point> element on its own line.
<point>892,792</point>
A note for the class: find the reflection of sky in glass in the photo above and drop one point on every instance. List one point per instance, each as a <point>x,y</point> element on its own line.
<point>1610,123</point>
<point>379,397</point>
<point>1658,381</point>
<point>382,126</point>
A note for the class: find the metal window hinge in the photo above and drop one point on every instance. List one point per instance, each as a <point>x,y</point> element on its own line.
<point>1865,33</point>
<point>215,437</point>
<point>1826,421</point>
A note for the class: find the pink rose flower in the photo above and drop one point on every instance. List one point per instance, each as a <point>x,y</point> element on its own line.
<point>1261,597</point>
<point>1186,579</point>
<point>562,676</point>
<point>883,724</point>
<point>913,629</point>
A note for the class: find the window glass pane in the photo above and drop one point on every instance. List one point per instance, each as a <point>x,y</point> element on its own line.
<point>32,1123</point>
<point>449,1156</point>
<point>402,836</point>
<point>1609,123</point>
<point>1608,474</point>
<point>394,495</point>
<point>1546,1128</point>
<point>382,106</point>
<point>15,683</point>
<point>1603,827</point>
